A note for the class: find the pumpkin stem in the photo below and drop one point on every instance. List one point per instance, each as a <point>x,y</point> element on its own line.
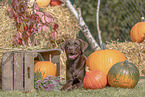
<point>103,47</point>
<point>142,19</point>
<point>125,62</point>
<point>87,69</point>
<point>40,57</point>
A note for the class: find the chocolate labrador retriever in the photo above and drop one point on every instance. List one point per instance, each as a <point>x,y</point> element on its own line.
<point>75,64</point>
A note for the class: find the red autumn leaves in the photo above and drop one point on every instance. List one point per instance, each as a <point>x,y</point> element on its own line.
<point>28,24</point>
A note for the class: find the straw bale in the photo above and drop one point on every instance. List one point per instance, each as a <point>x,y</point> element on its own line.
<point>134,52</point>
<point>8,29</point>
<point>68,26</point>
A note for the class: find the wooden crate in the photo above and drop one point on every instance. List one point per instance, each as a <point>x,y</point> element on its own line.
<point>15,66</point>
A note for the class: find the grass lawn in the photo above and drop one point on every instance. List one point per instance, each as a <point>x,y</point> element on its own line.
<point>138,91</point>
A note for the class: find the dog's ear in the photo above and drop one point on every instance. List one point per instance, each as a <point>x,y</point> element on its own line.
<point>84,45</point>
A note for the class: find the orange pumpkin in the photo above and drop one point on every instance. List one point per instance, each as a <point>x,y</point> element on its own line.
<point>46,68</point>
<point>94,80</point>
<point>55,2</point>
<point>137,32</point>
<point>42,3</point>
<point>102,60</point>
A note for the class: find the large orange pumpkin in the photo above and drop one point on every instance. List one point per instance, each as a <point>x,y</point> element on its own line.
<point>137,32</point>
<point>46,68</point>
<point>94,80</point>
<point>42,3</point>
<point>102,60</point>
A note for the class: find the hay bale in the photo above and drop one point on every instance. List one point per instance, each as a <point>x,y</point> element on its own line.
<point>68,26</point>
<point>134,52</point>
<point>8,29</point>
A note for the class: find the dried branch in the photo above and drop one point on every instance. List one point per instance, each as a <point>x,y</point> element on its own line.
<point>97,20</point>
<point>84,28</point>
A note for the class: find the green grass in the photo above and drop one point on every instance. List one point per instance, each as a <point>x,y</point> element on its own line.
<point>138,91</point>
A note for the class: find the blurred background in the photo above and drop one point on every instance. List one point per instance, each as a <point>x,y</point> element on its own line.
<point>116,17</point>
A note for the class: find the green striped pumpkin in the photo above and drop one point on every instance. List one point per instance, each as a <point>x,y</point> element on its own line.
<point>123,74</point>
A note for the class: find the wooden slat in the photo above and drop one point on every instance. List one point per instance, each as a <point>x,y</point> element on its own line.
<point>56,60</point>
<point>29,63</point>
<point>18,71</point>
<point>7,71</point>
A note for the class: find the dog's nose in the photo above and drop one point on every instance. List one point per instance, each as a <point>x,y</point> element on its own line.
<point>70,48</point>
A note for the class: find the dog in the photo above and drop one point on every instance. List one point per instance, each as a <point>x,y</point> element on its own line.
<point>75,63</point>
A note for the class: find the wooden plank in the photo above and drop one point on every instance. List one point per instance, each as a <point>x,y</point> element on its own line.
<point>29,71</point>
<point>18,71</point>
<point>7,71</point>
<point>56,60</point>
<point>45,56</point>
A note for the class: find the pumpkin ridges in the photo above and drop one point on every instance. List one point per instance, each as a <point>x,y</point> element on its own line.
<point>103,81</point>
<point>141,30</point>
<point>87,82</point>
<point>123,74</point>
<point>45,66</point>
<point>137,32</point>
<point>100,81</point>
<point>98,60</point>
<point>90,84</point>
<point>94,80</point>
<point>42,3</point>
<point>84,82</point>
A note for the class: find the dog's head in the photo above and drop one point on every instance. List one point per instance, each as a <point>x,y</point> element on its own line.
<point>74,48</point>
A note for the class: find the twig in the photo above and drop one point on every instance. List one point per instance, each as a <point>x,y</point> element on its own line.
<point>97,20</point>
<point>84,28</point>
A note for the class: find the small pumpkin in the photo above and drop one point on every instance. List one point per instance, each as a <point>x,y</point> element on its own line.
<point>55,2</point>
<point>94,80</point>
<point>42,3</point>
<point>137,32</point>
<point>123,74</point>
<point>102,60</point>
<point>46,68</point>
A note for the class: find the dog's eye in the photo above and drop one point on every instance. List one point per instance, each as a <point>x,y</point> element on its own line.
<point>68,43</point>
<point>75,44</point>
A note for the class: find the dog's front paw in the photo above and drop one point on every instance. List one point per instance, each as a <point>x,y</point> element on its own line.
<point>64,88</point>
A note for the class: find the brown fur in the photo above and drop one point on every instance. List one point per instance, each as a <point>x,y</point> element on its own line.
<point>75,64</point>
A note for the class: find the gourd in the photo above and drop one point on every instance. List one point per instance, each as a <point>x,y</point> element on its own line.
<point>137,32</point>
<point>94,80</point>
<point>123,74</point>
<point>102,60</point>
<point>42,3</point>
